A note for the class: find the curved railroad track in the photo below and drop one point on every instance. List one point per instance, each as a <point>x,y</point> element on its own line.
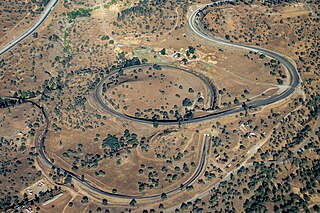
<point>195,22</point>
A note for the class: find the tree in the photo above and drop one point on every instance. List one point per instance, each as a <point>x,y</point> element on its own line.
<point>157,67</point>
<point>85,199</point>
<point>279,81</point>
<point>186,102</point>
<point>133,202</point>
<point>163,51</point>
<point>191,49</point>
<point>163,196</point>
<point>105,202</point>
<point>184,207</point>
<point>155,124</point>
<point>111,141</point>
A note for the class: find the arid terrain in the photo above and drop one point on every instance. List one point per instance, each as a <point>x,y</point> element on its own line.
<point>159,106</point>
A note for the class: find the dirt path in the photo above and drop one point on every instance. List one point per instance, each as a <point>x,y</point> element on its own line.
<point>74,195</point>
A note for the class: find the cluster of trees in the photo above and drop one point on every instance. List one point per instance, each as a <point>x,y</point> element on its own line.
<point>4,103</point>
<point>187,102</point>
<point>191,51</point>
<point>267,188</point>
<point>277,70</point>
<point>136,11</point>
<point>17,171</point>
<point>150,16</point>
<point>41,3</point>
<point>271,3</point>
<point>81,12</point>
<point>115,143</point>
<point>313,106</point>
<point>153,179</point>
<point>281,195</point>
<point>109,4</point>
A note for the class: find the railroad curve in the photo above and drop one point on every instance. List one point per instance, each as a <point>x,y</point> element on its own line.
<point>195,23</point>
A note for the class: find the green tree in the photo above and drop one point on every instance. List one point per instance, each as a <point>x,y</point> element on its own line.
<point>164,196</point>
<point>105,202</point>
<point>85,199</point>
<point>133,202</point>
<point>163,51</point>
